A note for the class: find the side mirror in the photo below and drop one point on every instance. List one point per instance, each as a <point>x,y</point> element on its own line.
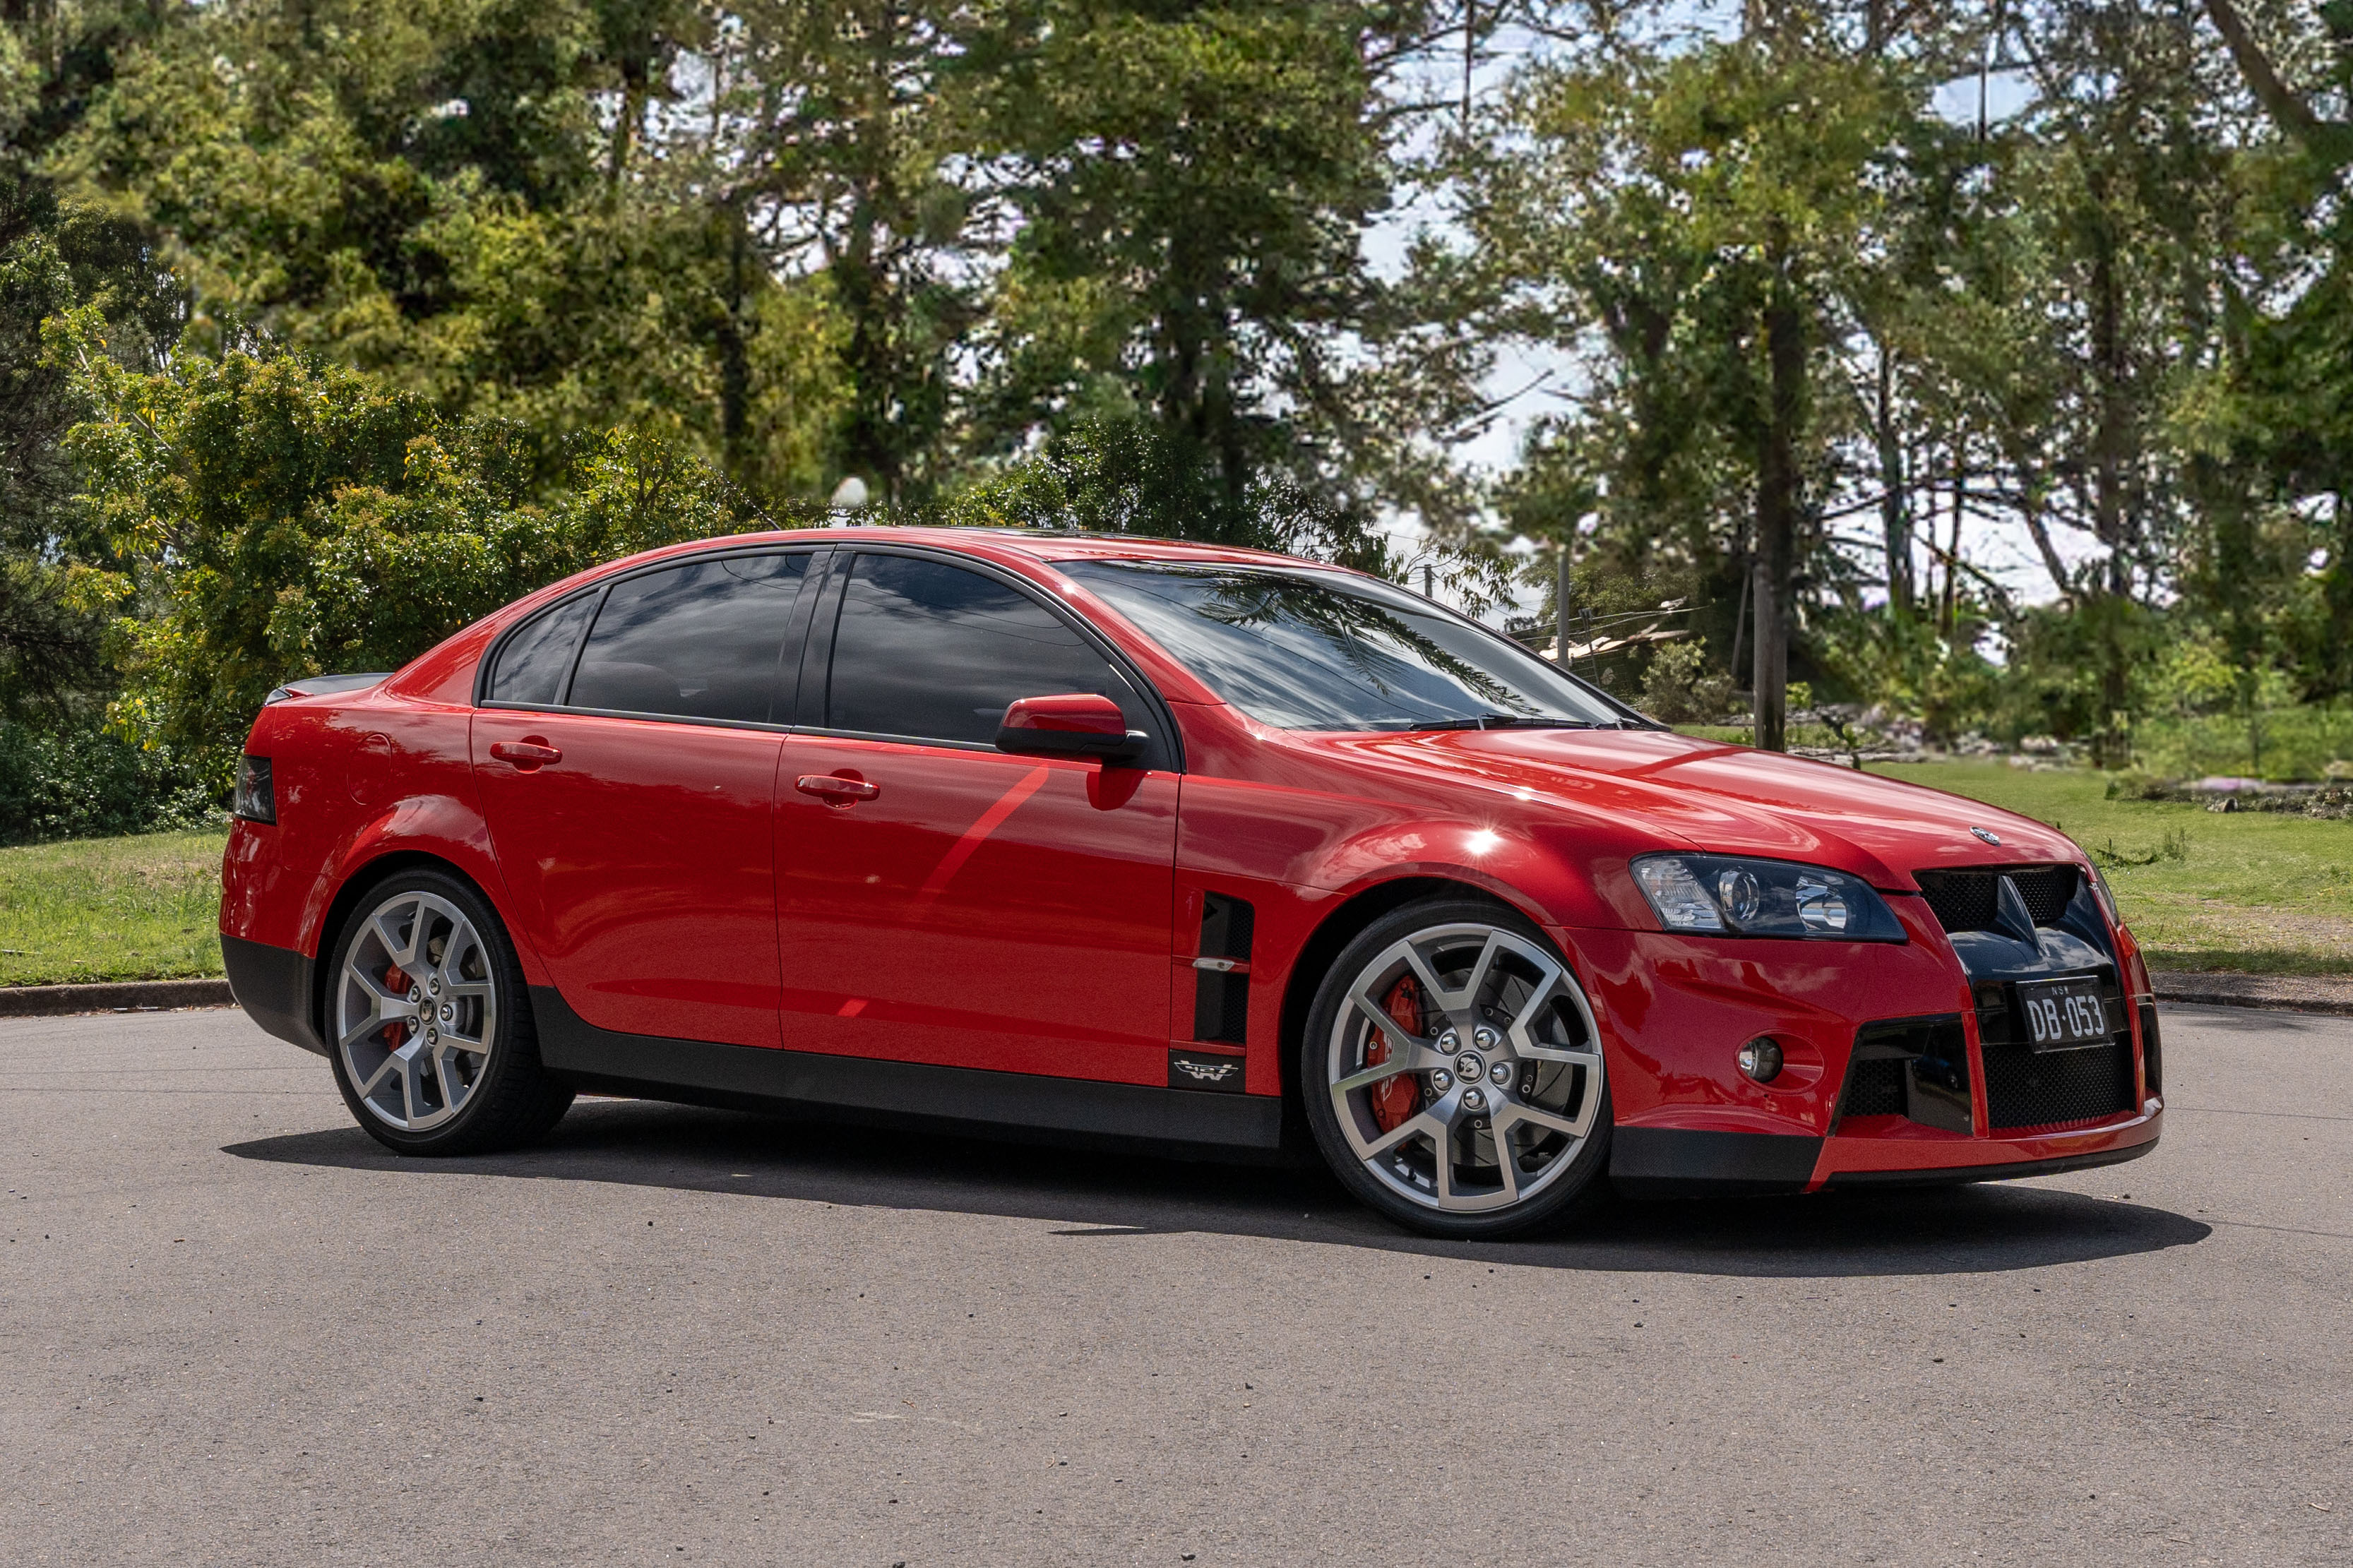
<point>1074,725</point>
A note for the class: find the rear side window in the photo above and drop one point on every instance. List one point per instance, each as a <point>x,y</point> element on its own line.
<point>698,640</point>
<point>534,662</point>
<point>934,652</point>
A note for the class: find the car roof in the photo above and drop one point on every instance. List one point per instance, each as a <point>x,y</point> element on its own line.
<point>1038,545</point>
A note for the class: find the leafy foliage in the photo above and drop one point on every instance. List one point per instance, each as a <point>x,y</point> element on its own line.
<point>288,517</point>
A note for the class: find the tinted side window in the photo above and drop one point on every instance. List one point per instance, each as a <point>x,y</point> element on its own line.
<point>934,652</point>
<point>700,640</point>
<point>534,662</point>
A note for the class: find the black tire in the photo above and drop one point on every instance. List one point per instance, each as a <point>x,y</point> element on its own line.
<point>507,1100</point>
<point>1559,1185</point>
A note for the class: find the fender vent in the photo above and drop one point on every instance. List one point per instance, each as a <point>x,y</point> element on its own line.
<point>1221,973</point>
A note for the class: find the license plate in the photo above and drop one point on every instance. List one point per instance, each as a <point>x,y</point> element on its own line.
<point>2064,1013</point>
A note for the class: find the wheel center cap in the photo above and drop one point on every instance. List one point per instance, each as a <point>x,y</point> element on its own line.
<point>1469,1066</point>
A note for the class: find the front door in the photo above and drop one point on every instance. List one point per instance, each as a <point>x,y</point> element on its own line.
<point>939,900</point>
<point>631,801</point>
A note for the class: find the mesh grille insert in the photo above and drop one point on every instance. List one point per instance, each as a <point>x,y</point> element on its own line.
<point>2047,890</point>
<point>1875,1089</point>
<point>1966,901</point>
<point>1963,901</point>
<point>2029,1089</point>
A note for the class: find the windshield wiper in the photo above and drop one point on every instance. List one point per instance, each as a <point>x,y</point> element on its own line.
<point>1493,721</point>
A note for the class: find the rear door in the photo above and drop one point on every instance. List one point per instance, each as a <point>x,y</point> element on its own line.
<point>626,752</point>
<point>958,905</point>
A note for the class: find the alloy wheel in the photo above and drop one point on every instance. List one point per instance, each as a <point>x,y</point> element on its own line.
<point>416,1011</point>
<point>1464,1068</point>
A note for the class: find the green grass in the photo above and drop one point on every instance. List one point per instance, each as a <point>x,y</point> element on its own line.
<point>2262,892</point>
<point>143,908</point>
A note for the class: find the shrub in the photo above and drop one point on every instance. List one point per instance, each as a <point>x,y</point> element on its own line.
<point>86,783</point>
<point>1680,687</point>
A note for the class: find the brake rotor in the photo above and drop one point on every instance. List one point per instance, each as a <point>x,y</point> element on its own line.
<point>1394,1100</point>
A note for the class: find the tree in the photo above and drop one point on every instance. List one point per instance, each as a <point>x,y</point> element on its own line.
<point>1694,220</point>
<point>286,516</point>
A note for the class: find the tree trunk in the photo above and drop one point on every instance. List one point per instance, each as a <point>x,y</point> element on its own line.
<point>1560,609</point>
<point>1777,513</point>
<point>735,354</point>
<point>2111,516</point>
<point>2336,591</point>
<point>1894,494</point>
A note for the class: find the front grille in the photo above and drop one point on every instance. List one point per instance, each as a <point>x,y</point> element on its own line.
<point>1967,900</point>
<point>2052,1088</point>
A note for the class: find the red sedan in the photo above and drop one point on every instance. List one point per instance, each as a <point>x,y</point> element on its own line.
<point>1173,847</point>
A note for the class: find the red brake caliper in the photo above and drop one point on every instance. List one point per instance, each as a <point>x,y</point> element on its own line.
<point>398,984</point>
<point>1398,1098</point>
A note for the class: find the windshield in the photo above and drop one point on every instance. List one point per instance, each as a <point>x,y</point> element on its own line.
<point>1313,651</point>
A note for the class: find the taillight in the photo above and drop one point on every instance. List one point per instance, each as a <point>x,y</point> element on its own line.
<point>255,801</point>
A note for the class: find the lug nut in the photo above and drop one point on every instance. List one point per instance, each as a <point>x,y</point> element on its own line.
<point>1500,1073</point>
<point>1441,1080</point>
<point>1448,1041</point>
<point>1473,1098</point>
<point>1484,1039</point>
<point>415,994</point>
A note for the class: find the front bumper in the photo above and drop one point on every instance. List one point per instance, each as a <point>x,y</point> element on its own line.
<point>1674,1011</point>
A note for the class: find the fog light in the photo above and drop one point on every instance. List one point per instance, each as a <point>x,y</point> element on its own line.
<point>1761,1059</point>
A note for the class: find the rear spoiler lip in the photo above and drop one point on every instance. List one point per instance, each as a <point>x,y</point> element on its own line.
<point>324,685</point>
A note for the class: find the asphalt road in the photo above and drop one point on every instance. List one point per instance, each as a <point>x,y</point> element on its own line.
<point>233,1330</point>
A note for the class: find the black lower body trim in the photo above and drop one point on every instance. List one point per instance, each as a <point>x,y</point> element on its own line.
<point>915,1095</point>
<point>273,986</point>
<point>1955,1176</point>
<point>1671,1162</point>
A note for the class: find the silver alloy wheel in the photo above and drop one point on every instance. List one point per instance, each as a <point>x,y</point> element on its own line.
<point>1505,1064</point>
<point>417,1010</point>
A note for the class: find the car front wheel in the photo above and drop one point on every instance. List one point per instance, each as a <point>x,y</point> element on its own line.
<point>429,1025</point>
<point>1453,1074</point>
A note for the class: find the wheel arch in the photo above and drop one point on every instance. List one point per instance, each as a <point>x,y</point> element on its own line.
<point>1343,925</point>
<point>358,880</point>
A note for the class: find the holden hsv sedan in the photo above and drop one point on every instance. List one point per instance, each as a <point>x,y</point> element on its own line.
<point>1167,848</point>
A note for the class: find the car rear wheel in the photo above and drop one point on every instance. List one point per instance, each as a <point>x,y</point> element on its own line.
<point>1454,1074</point>
<point>430,1025</point>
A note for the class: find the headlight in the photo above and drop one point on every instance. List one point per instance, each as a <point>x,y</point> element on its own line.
<point>2100,890</point>
<point>1763,898</point>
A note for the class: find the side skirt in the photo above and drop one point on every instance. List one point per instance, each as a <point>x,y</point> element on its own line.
<point>916,1096</point>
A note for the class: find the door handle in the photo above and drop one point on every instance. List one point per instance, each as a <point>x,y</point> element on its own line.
<point>836,791</point>
<point>525,754</point>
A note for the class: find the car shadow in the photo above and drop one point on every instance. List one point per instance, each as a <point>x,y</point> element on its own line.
<point>1104,1196</point>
